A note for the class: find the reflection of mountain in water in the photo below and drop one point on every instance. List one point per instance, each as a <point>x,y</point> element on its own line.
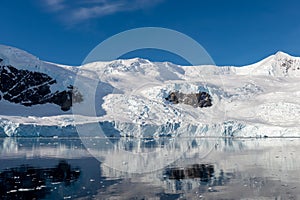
<point>202,171</point>
<point>139,155</point>
<point>192,176</point>
<point>176,179</point>
<point>26,182</point>
<point>214,168</point>
<point>233,169</point>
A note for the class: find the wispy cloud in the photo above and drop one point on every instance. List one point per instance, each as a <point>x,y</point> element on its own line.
<point>76,11</point>
<point>55,5</point>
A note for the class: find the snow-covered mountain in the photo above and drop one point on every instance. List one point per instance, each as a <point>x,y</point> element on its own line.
<point>37,97</point>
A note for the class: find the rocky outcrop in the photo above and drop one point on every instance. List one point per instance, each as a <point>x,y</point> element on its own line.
<point>31,88</point>
<point>201,99</point>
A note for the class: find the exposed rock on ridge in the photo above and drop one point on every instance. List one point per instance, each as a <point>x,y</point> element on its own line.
<point>31,88</point>
<point>201,99</point>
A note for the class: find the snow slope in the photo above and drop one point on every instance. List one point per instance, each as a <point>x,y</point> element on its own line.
<point>261,99</point>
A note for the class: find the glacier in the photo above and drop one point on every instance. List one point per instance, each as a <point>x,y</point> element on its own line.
<point>257,100</point>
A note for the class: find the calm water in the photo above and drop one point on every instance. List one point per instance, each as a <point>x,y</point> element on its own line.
<point>187,168</point>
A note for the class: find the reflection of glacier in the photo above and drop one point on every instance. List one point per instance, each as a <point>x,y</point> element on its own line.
<point>207,166</point>
<point>9,145</point>
<point>142,155</point>
<point>42,147</point>
<point>185,152</point>
<point>252,161</point>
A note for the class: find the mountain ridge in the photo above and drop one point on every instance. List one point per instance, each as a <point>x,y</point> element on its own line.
<point>129,98</point>
<point>23,59</point>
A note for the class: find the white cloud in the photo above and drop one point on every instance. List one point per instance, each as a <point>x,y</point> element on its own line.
<point>81,14</point>
<point>75,11</point>
<point>55,5</point>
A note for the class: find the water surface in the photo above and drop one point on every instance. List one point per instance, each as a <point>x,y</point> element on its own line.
<point>201,168</point>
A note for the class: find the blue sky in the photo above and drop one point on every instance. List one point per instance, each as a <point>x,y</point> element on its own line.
<point>234,32</point>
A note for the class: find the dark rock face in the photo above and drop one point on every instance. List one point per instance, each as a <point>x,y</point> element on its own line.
<point>201,99</point>
<point>31,88</point>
